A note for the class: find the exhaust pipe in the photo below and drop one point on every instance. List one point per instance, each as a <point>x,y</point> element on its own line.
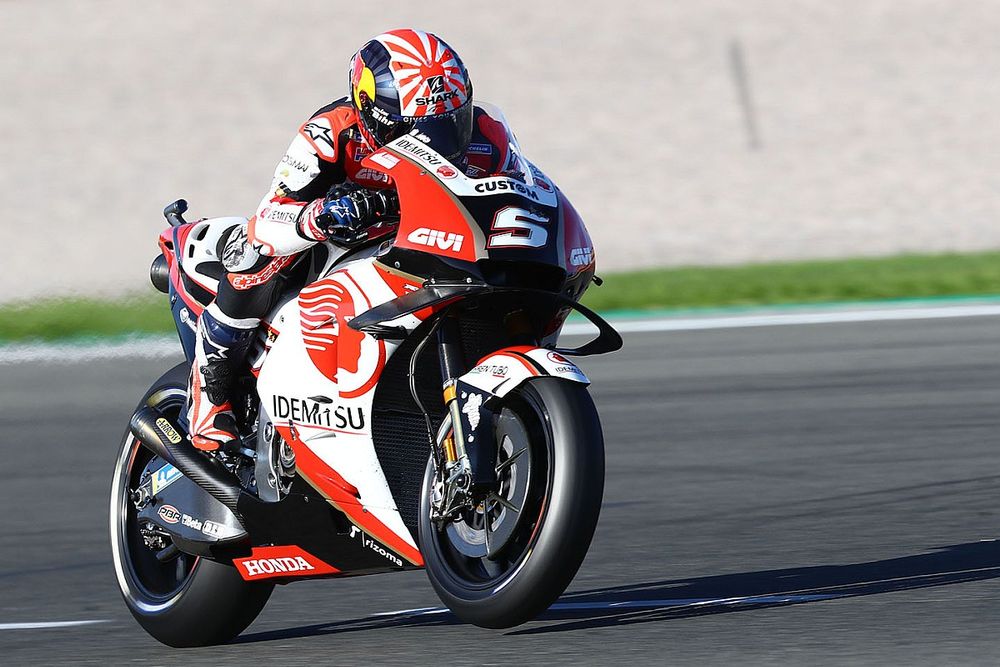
<point>162,436</point>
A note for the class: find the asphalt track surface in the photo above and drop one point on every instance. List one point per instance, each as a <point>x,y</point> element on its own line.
<point>817,493</point>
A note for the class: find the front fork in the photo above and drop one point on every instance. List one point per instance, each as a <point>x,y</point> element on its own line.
<point>468,451</point>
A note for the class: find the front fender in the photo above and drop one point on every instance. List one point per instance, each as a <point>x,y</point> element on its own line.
<point>500,372</point>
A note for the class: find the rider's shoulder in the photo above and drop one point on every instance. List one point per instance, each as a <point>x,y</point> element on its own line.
<point>324,127</point>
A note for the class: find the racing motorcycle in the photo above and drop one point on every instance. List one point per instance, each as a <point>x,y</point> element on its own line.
<point>406,405</point>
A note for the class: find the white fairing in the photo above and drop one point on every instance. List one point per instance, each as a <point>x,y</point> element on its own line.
<point>202,247</point>
<point>333,417</point>
<point>505,370</point>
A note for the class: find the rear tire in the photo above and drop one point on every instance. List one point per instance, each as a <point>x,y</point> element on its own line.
<point>557,519</point>
<point>187,601</point>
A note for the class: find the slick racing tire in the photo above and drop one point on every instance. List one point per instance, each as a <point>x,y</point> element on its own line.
<point>185,600</point>
<point>505,561</point>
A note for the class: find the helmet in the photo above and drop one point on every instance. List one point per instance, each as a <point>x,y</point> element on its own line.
<point>409,79</point>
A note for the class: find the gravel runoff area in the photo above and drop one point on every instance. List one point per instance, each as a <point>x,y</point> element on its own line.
<point>714,132</point>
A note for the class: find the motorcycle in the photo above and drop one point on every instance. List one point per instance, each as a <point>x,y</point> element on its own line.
<point>406,405</point>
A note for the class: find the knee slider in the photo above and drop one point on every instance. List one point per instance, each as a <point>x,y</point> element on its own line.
<point>239,255</point>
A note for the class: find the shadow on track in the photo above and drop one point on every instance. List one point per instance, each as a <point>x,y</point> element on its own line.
<point>685,598</point>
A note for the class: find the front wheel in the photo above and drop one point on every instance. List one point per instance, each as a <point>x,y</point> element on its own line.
<point>506,560</point>
<point>179,599</point>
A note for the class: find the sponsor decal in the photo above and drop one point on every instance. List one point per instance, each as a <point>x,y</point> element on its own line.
<point>320,132</point>
<point>279,215</point>
<point>428,100</point>
<point>164,477</point>
<point>368,174</point>
<point>298,165</point>
<point>565,365</point>
<point>496,370</point>
<point>341,354</point>
<point>481,149</point>
<point>420,136</point>
<point>437,92</point>
<point>212,529</point>
<point>473,402</point>
<point>376,547</point>
<point>581,256</point>
<point>243,281</point>
<point>435,84</point>
<point>444,171</point>
<point>191,522</point>
<point>419,151</point>
<point>474,172</point>
<point>435,238</point>
<point>385,159</point>
<point>169,513</point>
<point>503,185</point>
<point>283,561</point>
<point>272,565</point>
<point>557,358</point>
<point>168,431</point>
<point>381,115</point>
<point>318,411</point>
<point>359,153</point>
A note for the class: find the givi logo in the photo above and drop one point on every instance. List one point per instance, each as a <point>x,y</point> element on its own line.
<point>287,561</point>
<point>433,237</point>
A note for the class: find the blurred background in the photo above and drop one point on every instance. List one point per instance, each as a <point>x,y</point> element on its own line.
<point>686,133</point>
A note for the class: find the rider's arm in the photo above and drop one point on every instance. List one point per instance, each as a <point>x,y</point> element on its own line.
<point>285,222</point>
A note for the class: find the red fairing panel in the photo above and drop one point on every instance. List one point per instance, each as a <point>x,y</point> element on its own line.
<point>285,561</point>
<point>344,496</point>
<point>578,248</point>
<point>440,225</point>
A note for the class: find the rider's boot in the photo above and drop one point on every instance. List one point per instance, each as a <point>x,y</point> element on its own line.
<point>220,351</point>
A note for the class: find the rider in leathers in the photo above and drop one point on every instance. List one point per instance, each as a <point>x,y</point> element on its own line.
<point>402,81</point>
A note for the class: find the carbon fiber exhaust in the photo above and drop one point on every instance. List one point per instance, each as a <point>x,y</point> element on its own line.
<point>163,437</point>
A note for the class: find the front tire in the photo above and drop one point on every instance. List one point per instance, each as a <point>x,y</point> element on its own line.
<point>185,601</point>
<point>556,522</point>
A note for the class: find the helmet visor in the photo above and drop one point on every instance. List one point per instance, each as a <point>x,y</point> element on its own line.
<point>449,133</point>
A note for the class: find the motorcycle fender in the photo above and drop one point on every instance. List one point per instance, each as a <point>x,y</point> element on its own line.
<point>502,371</point>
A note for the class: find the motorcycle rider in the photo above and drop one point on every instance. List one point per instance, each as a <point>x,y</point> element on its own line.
<point>402,81</point>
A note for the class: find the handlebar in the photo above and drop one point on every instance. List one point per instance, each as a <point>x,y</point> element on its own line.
<point>174,213</point>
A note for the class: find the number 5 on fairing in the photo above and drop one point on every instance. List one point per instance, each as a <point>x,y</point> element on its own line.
<point>525,229</point>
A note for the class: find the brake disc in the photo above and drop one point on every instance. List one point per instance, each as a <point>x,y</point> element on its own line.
<point>484,530</point>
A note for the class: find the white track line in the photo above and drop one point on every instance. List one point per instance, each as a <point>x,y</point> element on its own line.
<point>775,598</point>
<point>163,347</point>
<point>786,319</point>
<point>45,626</point>
<point>160,347</point>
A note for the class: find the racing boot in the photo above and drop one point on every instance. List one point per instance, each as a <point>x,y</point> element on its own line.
<point>220,350</point>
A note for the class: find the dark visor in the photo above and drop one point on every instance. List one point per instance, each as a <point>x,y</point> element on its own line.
<point>449,133</point>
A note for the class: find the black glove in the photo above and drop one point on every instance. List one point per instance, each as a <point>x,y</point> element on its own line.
<point>349,210</point>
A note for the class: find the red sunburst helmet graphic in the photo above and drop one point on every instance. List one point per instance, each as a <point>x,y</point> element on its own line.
<point>409,79</point>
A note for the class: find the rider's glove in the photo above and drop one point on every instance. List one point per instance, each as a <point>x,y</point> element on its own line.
<point>348,211</point>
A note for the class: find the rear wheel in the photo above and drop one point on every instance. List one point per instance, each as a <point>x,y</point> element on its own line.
<point>506,560</point>
<point>179,599</point>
